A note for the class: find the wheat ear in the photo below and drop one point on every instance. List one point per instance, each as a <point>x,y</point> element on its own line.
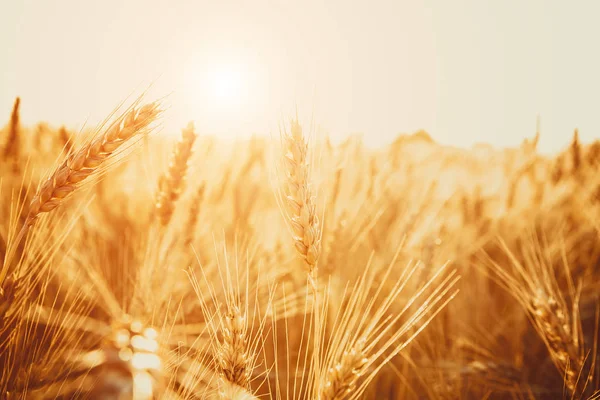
<point>562,342</point>
<point>355,352</point>
<point>64,139</point>
<point>533,283</point>
<point>576,151</point>
<point>12,143</point>
<point>87,160</point>
<point>233,360</point>
<point>343,377</point>
<point>300,198</point>
<point>171,184</point>
<point>82,163</point>
<point>193,216</point>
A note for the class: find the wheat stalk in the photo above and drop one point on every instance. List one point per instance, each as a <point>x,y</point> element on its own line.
<point>171,184</point>
<point>7,296</point>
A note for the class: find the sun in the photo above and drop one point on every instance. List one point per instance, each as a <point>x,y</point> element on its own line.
<point>225,94</point>
<point>226,84</point>
<point>218,86</point>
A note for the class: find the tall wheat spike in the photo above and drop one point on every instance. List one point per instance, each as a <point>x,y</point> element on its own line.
<point>86,160</point>
<point>171,184</point>
<point>192,220</point>
<point>300,198</point>
<point>12,143</point>
<point>79,165</point>
<point>576,151</point>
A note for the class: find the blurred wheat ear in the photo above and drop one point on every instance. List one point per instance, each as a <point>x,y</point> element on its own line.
<point>12,144</point>
<point>171,184</point>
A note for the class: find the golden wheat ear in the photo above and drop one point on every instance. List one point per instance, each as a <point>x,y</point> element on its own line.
<point>237,304</point>
<point>532,280</point>
<point>171,184</point>
<point>193,214</point>
<point>367,332</point>
<point>298,198</point>
<point>12,143</point>
<point>89,159</point>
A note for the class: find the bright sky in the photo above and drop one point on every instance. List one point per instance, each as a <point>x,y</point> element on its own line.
<point>465,71</point>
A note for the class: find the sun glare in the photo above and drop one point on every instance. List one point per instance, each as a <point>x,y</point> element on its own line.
<point>218,87</point>
<point>225,94</point>
<point>227,85</point>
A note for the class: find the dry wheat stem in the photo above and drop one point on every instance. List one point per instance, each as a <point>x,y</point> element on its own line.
<point>171,184</point>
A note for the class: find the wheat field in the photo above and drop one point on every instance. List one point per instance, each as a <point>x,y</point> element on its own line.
<point>141,266</point>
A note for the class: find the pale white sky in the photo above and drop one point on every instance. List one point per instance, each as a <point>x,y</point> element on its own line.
<point>466,71</point>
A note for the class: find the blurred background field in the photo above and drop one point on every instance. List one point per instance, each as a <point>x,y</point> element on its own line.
<point>519,227</point>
